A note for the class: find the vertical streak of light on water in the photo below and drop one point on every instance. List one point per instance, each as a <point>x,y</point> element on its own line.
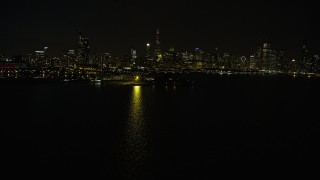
<point>134,147</point>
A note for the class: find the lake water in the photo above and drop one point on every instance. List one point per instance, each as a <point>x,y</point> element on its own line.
<point>159,132</point>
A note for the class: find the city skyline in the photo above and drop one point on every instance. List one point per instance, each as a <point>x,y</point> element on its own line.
<point>78,64</point>
<point>155,45</point>
<point>235,27</point>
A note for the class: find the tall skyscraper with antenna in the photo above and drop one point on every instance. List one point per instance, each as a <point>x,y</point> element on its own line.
<point>157,50</point>
<point>304,62</point>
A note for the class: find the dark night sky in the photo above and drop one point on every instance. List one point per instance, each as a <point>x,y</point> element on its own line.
<point>116,25</point>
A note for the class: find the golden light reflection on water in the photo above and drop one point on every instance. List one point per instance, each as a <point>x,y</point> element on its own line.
<point>134,148</point>
<point>135,126</point>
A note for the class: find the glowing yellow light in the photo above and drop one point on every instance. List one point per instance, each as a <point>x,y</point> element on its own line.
<point>137,78</point>
<point>136,95</point>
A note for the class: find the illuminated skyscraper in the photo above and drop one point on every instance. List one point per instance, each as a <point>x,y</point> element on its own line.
<point>71,53</point>
<point>227,62</point>
<point>48,62</point>
<point>133,56</point>
<point>107,60</point>
<point>197,54</point>
<point>84,49</point>
<point>304,64</point>
<point>265,57</point>
<point>147,55</point>
<point>315,64</point>
<point>46,51</point>
<point>216,59</point>
<point>282,64</point>
<point>157,50</point>
<point>172,55</point>
<point>71,58</point>
<point>272,60</point>
<point>266,51</point>
<point>39,58</point>
<point>252,62</point>
<point>42,59</point>
<point>185,56</point>
<point>305,53</point>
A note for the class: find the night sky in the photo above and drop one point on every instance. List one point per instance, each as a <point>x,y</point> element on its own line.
<point>116,26</point>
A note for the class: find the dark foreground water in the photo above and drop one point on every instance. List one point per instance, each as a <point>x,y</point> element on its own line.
<point>225,125</point>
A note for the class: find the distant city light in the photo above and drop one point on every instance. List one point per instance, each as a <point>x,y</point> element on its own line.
<point>79,64</point>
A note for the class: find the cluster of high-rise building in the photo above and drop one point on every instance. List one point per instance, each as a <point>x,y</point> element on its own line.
<point>268,59</point>
<point>79,63</point>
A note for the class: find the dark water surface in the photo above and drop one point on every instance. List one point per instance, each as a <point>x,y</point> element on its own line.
<point>156,132</point>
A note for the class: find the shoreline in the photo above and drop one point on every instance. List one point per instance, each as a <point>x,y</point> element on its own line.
<point>163,80</point>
